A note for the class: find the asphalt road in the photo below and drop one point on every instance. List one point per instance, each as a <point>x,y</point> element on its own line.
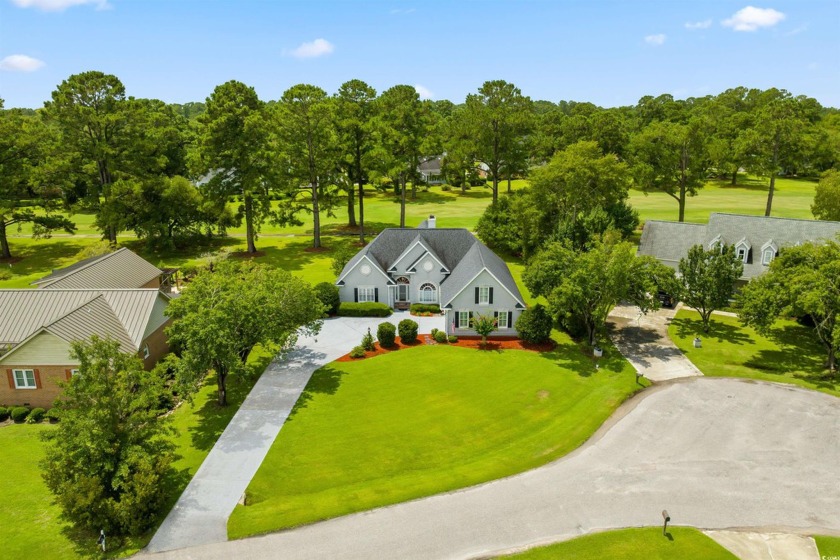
<point>716,453</point>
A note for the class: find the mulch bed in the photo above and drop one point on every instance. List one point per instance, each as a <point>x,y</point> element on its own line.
<point>501,343</point>
<point>12,260</point>
<point>246,254</point>
<point>316,249</point>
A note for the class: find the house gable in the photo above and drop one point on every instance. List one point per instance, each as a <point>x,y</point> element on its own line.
<point>42,348</point>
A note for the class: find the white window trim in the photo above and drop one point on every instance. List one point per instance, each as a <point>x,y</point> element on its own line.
<point>25,379</point>
<point>502,313</point>
<point>74,372</point>
<point>742,257</point>
<point>483,291</point>
<point>365,292</point>
<point>146,352</point>
<point>434,292</point>
<point>764,256</point>
<point>467,315</point>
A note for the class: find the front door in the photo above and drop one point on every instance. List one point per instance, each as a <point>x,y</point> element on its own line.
<point>402,292</point>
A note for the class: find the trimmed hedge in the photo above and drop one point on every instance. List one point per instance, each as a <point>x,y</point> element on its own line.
<point>440,337</point>
<point>367,309</point>
<point>36,416</point>
<point>408,331</point>
<point>328,295</point>
<point>357,352</point>
<point>424,308</point>
<point>453,339</point>
<point>387,334</point>
<point>52,415</point>
<point>4,413</point>
<point>19,413</point>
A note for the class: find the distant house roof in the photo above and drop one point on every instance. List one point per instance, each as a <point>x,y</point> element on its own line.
<point>432,165</point>
<point>118,270</point>
<point>458,249</point>
<point>670,241</point>
<point>77,314</point>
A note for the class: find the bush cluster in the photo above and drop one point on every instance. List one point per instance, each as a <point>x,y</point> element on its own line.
<point>4,413</point>
<point>534,325</point>
<point>328,295</point>
<point>408,331</point>
<point>440,337</point>
<point>357,352</point>
<point>19,413</point>
<point>52,415</point>
<point>367,309</point>
<point>418,308</point>
<point>36,416</point>
<point>369,342</point>
<point>453,339</point>
<point>5,274</point>
<point>387,334</point>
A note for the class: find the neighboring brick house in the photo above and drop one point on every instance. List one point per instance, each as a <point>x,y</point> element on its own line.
<point>448,267</point>
<point>757,239</point>
<point>118,270</point>
<point>37,327</point>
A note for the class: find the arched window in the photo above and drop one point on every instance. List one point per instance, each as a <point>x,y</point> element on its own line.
<point>428,293</point>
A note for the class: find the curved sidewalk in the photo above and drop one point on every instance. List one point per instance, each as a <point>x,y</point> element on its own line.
<point>717,453</point>
<point>201,513</point>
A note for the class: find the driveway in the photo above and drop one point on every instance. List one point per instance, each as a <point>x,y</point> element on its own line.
<point>201,513</point>
<point>644,341</point>
<point>716,453</point>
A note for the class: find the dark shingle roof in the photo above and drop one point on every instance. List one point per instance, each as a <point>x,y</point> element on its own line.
<point>670,241</point>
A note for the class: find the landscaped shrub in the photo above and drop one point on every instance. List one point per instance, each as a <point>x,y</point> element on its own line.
<point>4,413</point>
<point>367,309</point>
<point>357,352</point>
<point>19,413</point>
<point>368,342</point>
<point>5,274</point>
<point>534,325</point>
<point>188,270</point>
<point>387,334</point>
<point>36,416</point>
<point>408,331</point>
<point>328,295</point>
<point>418,308</point>
<point>52,415</point>
<point>440,337</point>
<point>453,339</point>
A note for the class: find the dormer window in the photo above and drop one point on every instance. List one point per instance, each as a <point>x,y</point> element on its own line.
<point>768,252</point>
<point>716,242</point>
<point>742,249</point>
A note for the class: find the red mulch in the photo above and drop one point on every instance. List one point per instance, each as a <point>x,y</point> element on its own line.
<point>247,255</point>
<point>316,249</point>
<point>500,343</point>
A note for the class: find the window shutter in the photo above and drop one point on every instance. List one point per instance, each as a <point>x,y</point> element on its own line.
<point>495,314</point>
<point>476,296</point>
<point>376,295</point>
<point>491,296</point>
<point>510,319</point>
<point>37,379</point>
<point>68,373</point>
<point>11,377</point>
<point>356,295</point>
<point>471,316</point>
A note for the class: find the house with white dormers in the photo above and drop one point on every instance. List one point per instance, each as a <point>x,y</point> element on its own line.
<point>757,239</point>
<point>447,267</point>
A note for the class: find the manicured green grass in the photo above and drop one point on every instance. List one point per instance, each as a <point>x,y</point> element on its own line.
<point>32,526</point>
<point>828,546</point>
<point>426,420</point>
<point>633,544</point>
<point>792,199</point>
<point>790,354</point>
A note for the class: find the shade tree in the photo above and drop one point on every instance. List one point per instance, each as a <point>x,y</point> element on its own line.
<point>707,277</point>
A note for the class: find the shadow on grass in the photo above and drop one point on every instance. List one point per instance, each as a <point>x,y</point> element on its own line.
<point>722,332</point>
<point>372,229</point>
<point>42,257</point>
<point>325,381</point>
<point>577,357</point>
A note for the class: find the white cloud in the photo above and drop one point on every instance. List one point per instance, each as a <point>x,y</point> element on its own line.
<point>406,11</point>
<point>655,40</point>
<point>423,92</point>
<point>705,24</point>
<point>60,5</point>
<point>20,63</point>
<point>751,18</point>
<point>797,30</point>
<point>318,47</point>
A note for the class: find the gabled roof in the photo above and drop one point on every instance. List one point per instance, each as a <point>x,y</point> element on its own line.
<point>670,241</point>
<point>118,270</point>
<point>77,314</point>
<point>477,259</point>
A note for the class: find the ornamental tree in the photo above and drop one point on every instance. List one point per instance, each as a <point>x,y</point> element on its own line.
<point>484,325</point>
<point>107,459</point>
<point>707,279</point>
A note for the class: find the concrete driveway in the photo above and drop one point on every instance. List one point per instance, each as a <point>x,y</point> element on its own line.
<point>716,453</point>
<point>201,513</point>
<point>644,341</point>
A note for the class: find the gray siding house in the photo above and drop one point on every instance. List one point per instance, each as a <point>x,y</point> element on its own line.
<point>757,239</point>
<point>448,267</point>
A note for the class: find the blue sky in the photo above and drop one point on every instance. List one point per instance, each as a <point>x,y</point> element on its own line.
<point>607,52</point>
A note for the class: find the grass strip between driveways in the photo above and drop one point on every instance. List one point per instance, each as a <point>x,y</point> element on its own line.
<point>790,354</point>
<point>426,420</point>
<point>828,547</point>
<point>647,543</point>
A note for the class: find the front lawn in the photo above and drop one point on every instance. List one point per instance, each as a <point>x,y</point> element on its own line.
<point>425,420</point>
<point>829,547</point>
<point>633,544</point>
<point>790,354</point>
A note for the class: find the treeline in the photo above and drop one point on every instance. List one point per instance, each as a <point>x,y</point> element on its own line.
<point>168,172</point>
